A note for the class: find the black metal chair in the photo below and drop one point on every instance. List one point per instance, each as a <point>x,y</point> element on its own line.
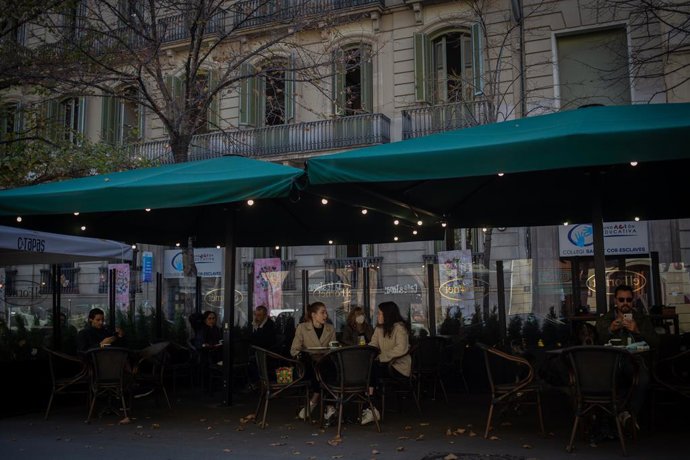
<point>670,377</point>
<point>427,363</point>
<point>597,376</point>
<point>108,376</point>
<point>512,381</point>
<point>399,386</point>
<point>68,375</point>
<point>181,363</point>
<point>149,371</point>
<point>352,378</point>
<point>270,389</point>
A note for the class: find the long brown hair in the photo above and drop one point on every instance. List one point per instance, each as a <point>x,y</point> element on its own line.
<point>353,314</point>
<point>391,316</point>
<point>311,309</point>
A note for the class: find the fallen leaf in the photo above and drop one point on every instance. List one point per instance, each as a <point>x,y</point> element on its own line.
<point>472,434</point>
<point>250,416</point>
<point>240,428</point>
<point>493,438</point>
<point>506,424</point>
<point>400,448</point>
<point>450,457</point>
<point>202,420</point>
<point>155,426</point>
<point>209,428</point>
<point>336,456</point>
<point>526,446</point>
<point>424,424</point>
<point>408,428</point>
<point>310,443</point>
<point>419,438</point>
<point>296,452</point>
<point>375,452</point>
<point>335,442</point>
<point>449,432</point>
<point>124,421</point>
<point>227,450</point>
<point>401,438</point>
<point>460,431</point>
<point>277,444</point>
<point>139,427</point>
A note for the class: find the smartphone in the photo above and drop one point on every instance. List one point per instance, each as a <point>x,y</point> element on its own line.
<point>627,316</point>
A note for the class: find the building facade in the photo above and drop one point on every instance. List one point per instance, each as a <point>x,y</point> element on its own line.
<point>311,77</point>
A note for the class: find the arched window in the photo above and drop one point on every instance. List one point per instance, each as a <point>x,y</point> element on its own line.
<point>267,94</point>
<point>448,66</point>
<point>353,83</point>
<point>121,118</point>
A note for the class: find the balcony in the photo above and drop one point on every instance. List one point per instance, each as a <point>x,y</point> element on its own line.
<point>259,13</point>
<point>273,141</point>
<point>443,117</point>
<point>176,28</point>
<point>347,270</point>
<point>69,281</point>
<point>289,282</point>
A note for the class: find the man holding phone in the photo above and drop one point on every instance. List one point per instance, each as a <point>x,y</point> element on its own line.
<point>624,322</point>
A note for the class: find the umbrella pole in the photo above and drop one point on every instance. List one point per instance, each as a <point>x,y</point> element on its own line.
<point>229,305</point>
<point>598,239</point>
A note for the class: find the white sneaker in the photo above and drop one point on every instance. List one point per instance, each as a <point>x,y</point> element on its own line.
<point>303,413</point>
<point>330,412</point>
<point>368,416</point>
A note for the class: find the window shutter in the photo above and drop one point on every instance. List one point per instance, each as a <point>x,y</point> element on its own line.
<point>367,79</point>
<point>290,90</point>
<point>247,95</point>
<point>477,59</point>
<point>422,64</point>
<point>81,122</point>
<point>213,117</point>
<point>107,131</point>
<point>51,119</point>
<point>339,82</point>
<point>259,102</point>
<point>175,87</point>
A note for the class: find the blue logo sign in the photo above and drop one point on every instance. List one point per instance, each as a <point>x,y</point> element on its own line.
<point>147,267</point>
<point>176,262</point>
<point>581,235</point>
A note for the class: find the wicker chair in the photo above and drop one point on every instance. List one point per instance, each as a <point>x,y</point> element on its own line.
<point>68,375</point>
<point>108,376</point>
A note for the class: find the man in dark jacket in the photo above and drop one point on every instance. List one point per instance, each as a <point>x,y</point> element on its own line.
<point>263,329</point>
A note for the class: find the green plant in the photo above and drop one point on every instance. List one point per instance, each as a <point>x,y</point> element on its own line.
<point>531,330</point>
<point>515,330</point>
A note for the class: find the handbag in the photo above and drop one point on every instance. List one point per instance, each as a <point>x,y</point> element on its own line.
<point>284,374</point>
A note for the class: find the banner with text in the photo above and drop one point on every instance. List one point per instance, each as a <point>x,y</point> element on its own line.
<point>268,283</point>
<point>208,261</point>
<point>121,285</point>
<point>456,285</point>
<point>620,239</point>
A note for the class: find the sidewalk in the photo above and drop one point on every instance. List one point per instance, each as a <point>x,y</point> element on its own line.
<point>198,428</point>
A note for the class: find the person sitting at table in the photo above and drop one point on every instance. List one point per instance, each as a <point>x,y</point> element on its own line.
<point>393,341</point>
<point>357,330</point>
<point>263,329</point>
<point>208,341</point>
<point>96,335</point>
<point>313,332</point>
<point>626,323</point>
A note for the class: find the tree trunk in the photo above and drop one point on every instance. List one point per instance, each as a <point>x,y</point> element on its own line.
<point>179,144</point>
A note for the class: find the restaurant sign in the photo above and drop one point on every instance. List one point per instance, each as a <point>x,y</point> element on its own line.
<point>620,239</point>
<point>324,291</point>
<point>615,278</point>
<point>208,261</point>
<point>214,298</point>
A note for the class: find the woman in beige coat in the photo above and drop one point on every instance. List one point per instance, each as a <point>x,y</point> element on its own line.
<point>393,341</point>
<point>314,332</point>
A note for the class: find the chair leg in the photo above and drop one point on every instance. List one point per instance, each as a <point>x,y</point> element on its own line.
<point>569,447</point>
<point>621,436</point>
<point>443,389</point>
<point>371,407</point>
<point>93,403</point>
<point>263,419</point>
<point>50,403</point>
<point>124,404</point>
<point>340,416</point>
<point>488,421</point>
<point>541,416</point>
<point>165,393</point>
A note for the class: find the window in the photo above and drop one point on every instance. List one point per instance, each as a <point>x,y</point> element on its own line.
<point>73,18</point>
<point>71,118</point>
<point>12,31</point>
<point>448,66</point>
<point>353,81</point>
<point>206,81</point>
<point>121,119</point>
<point>593,68</point>
<point>267,94</point>
<point>10,120</point>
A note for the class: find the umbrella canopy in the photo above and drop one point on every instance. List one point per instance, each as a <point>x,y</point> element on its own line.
<point>19,246</point>
<point>194,199</point>
<point>531,171</point>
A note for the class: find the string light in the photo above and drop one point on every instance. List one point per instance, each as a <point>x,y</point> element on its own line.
<point>83,227</point>
<point>324,201</point>
<point>444,224</point>
<point>364,212</point>
<point>19,218</point>
<point>396,222</point>
<point>147,209</point>
<point>637,219</point>
<point>76,213</point>
<point>419,222</point>
<point>395,238</point>
<point>250,202</point>
<point>633,163</point>
<point>501,174</point>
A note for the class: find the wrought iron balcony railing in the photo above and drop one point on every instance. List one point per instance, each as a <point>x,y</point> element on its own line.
<point>258,13</point>
<point>69,281</point>
<point>289,266</point>
<point>344,132</point>
<point>347,270</point>
<point>444,117</point>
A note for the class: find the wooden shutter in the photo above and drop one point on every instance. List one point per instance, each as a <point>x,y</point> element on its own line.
<point>109,116</point>
<point>290,75</point>
<point>248,95</point>
<point>422,65</point>
<point>477,59</point>
<point>213,116</point>
<point>366,79</point>
<point>339,82</point>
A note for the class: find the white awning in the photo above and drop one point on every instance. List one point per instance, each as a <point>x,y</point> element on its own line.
<point>22,247</point>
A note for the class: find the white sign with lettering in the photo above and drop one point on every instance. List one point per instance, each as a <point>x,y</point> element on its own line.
<point>620,239</point>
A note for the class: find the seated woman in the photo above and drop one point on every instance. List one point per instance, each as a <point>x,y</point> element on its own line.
<point>357,331</point>
<point>313,332</point>
<point>393,341</point>
<point>96,335</point>
<point>208,341</point>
